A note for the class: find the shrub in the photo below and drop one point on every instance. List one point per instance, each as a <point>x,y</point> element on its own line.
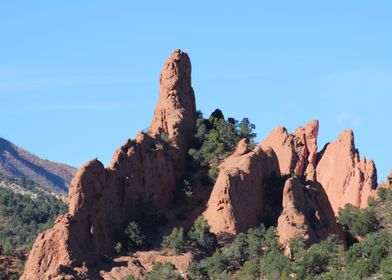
<point>200,235</point>
<point>134,237</point>
<point>358,222</point>
<point>118,247</point>
<point>318,259</point>
<point>165,271</point>
<point>216,138</point>
<point>175,240</point>
<point>364,258</point>
<point>273,264</point>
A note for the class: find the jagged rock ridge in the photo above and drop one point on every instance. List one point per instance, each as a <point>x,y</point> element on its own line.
<point>284,181</point>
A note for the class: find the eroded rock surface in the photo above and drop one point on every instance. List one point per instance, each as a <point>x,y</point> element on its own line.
<point>175,113</point>
<point>237,201</point>
<point>101,200</point>
<point>249,190</point>
<point>345,177</point>
<point>306,213</point>
<point>296,152</point>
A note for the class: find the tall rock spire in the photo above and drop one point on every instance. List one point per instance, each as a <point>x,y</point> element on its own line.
<point>175,112</point>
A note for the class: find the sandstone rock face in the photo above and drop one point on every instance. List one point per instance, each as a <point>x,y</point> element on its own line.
<point>296,152</point>
<point>306,213</point>
<point>50,252</point>
<point>144,171</point>
<point>389,179</point>
<point>175,113</point>
<point>237,201</point>
<point>250,189</point>
<point>344,176</point>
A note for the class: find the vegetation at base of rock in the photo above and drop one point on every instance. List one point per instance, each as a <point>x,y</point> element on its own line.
<point>199,236</point>
<point>176,240</point>
<point>134,236</point>
<point>358,222</point>
<point>216,138</point>
<point>165,271</point>
<point>258,255</point>
<point>23,217</point>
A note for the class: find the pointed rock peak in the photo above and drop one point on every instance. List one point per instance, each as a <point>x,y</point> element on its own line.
<point>242,148</point>
<point>312,128</point>
<point>296,151</point>
<point>345,177</point>
<point>347,136</point>
<point>175,112</point>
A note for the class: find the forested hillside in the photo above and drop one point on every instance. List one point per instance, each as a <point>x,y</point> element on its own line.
<point>25,211</point>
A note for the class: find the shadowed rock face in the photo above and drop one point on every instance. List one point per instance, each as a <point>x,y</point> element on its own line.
<point>344,176</point>
<point>306,213</point>
<point>101,201</point>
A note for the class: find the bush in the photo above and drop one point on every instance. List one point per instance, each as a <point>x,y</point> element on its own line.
<point>364,258</point>
<point>165,271</point>
<point>358,222</point>
<point>134,237</point>
<point>273,264</point>
<point>200,235</point>
<point>216,138</point>
<point>175,240</point>
<point>318,259</point>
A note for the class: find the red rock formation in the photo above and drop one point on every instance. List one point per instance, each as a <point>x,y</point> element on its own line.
<point>175,113</point>
<point>237,201</point>
<point>306,213</point>
<point>140,263</point>
<point>344,176</point>
<point>101,201</point>
<point>296,152</point>
<point>389,179</point>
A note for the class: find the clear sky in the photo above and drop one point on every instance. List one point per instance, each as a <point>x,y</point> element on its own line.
<point>79,77</point>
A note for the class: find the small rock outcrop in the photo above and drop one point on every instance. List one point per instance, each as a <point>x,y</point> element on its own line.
<point>175,112</point>
<point>306,213</point>
<point>345,177</point>
<point>389,179</point>
<point>296,152</point>
<point>144,171</point>
<point>238,199</point>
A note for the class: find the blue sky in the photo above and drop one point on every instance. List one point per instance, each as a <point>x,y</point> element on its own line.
<point>79,77</point>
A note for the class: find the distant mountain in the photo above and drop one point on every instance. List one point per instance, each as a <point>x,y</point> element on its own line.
<point>18,163</point>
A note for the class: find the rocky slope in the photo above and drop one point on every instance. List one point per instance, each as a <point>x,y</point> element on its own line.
<point>284,181</point>
<point>18,163</point>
